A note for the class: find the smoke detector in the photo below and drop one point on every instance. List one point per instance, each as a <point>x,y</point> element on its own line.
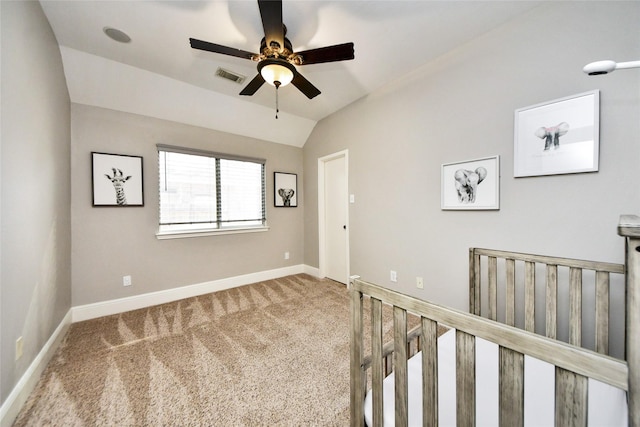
<point>117,35</point>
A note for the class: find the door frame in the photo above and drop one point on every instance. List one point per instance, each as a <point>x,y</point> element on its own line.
<point>321,210</point>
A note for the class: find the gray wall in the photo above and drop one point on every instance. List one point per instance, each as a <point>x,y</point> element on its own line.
<point>461,107</point>
<point>35,266</point>
<point>109,243</point>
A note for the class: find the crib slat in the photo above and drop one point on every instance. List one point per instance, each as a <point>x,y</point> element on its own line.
<point>400,365</point>
<point>377,372</point>
<point>429,372</point>
<point>530,296</point>
<point>571,398</point>
<point>575,306</point>
<point>511,388</point>
<point>552,301</point>
<point>474,283</point>
<point>493,287</point>
<point>465,379</point>
<point>602,312</point>
<point>356,394</point>
<point>388,364</point>
<point>510,314</point>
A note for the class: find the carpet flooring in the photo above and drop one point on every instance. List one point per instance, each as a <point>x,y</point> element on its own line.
<point>274,353</point>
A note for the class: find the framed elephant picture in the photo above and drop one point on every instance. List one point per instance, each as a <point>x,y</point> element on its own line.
<point>471,185</point>
<point>557,137</point>
<point>285,190</point>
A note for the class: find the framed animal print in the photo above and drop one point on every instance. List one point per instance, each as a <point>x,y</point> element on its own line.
<point>471,185</point>
<point>285,190</point>
<point>116,180</point>
<point>558,137</point>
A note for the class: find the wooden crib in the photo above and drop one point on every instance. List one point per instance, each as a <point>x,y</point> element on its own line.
<point>493,281</point>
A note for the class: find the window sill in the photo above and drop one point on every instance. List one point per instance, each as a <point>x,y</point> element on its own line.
<point>185,234</point>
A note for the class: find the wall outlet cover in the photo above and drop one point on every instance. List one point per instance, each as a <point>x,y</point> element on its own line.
<point>19,348</point>
<point>393,276</point>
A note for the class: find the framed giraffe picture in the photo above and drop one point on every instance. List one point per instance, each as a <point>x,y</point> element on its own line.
<point>116,180</point>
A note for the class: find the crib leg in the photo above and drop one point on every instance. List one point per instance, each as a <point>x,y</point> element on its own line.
<point>357,383</point>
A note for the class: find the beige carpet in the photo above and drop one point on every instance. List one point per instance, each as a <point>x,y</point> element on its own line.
<point>271,353</point>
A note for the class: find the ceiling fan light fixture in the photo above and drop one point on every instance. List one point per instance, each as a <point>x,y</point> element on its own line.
<point>274,70</point>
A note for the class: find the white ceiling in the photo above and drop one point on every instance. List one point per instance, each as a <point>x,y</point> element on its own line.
<point>158,74</point>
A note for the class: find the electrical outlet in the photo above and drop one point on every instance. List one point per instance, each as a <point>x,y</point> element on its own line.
<point>126,281</point>
<point>19,348</point>
<point>286,255</point>
<point>419,283</point>
<point>393,276</point>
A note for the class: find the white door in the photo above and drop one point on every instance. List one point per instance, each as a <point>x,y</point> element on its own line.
<point>335,224</point>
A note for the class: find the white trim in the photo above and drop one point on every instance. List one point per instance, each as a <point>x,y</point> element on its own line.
<point>321,210</point>
<point>106,308</point>
<point>182,234</point>
<point>313,271</point>
<point>321,220</point>
<point>20,393</point>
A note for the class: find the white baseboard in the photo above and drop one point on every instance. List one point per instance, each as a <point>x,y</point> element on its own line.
<point>20,393</point>
<point>313,271</point>
<point>107,308</point>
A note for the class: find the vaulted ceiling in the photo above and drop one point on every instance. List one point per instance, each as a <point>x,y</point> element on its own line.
<point>158,74</point>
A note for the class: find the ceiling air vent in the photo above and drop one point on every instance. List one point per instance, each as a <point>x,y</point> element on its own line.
<point>229,75</point>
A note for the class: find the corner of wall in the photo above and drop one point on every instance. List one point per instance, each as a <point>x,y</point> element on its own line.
<point>20,393</point>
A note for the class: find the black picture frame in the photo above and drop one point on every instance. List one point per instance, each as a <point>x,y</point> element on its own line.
<point>116,180</point>
<point>285,190</point>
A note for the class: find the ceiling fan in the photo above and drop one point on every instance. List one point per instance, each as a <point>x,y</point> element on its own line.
<point>277,60</point>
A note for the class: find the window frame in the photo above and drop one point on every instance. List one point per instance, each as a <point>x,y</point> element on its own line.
<point>220,229</point>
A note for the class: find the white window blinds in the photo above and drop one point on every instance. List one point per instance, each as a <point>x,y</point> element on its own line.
<point>206,190</point>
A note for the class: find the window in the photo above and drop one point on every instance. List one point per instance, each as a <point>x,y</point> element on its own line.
<point>204,192</point>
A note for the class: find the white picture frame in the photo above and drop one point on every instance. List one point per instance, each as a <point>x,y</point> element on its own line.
<point>471,184</point>
<point>558,137</point>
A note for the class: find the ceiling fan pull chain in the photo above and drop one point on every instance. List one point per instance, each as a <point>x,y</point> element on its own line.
<point>277,84</point>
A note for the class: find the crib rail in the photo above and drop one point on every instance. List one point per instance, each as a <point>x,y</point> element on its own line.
<point>629,227</point>
<point>575,365</point>
<point>602,272</point>
<point>413,347</point>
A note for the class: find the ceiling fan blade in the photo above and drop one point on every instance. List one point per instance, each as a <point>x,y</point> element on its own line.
<point>339,52</point>
<point>305,86</point>
<point>253,85</point>
<point>216,48</point>
<point>271,14</point>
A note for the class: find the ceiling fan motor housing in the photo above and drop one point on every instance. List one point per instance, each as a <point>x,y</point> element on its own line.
<point>276,51</point>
